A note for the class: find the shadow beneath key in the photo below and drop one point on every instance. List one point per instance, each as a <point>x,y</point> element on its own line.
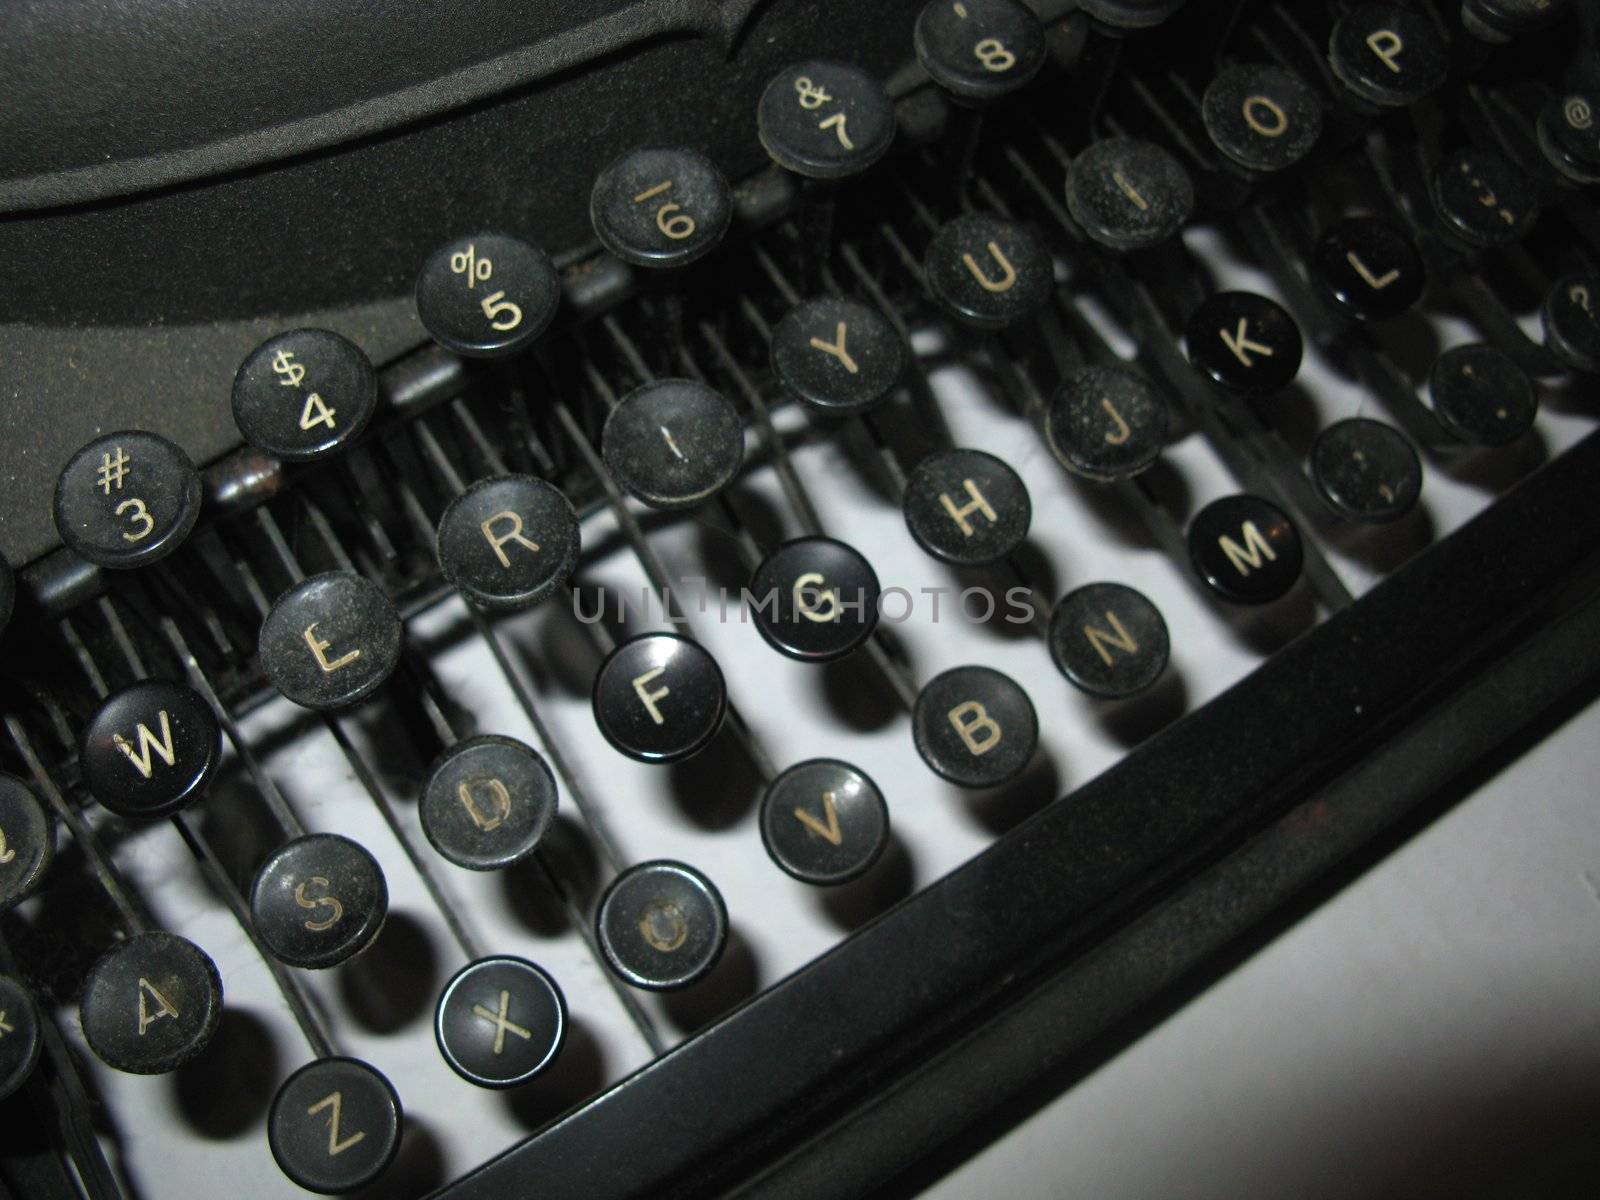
<point>887,882</point>
<point>227,1088</point>
<point>999,809</point>
<point>578,1072</point>
<point>735,978</point>
<point>395,980</point>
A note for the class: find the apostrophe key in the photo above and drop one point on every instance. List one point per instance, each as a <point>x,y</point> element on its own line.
<point>987,272</point>
<point>1128,194</point>
<point>1388,55</point>
<point>1481,396</point>
<point>837,356</point>
<point>334,1126</point>
<point>1571,318</point>
<point>661,925</point>
<point>19,1035</point>
<point>1366,470</point>
<point>127,499</point>
<point>1263,118</point>
<point>673,443</point>
<point>1484,198</point>
<point>824,822</point>
<point>319,900</point>
<point>1106,423</point>
<point>660,208</point>
<point>975,727</point>
<point>149,750</point>
<point>304,394</point>
<point>1108,640</point>
<point>330,641</point>
<point>1367,268</point>
<point>488,295</point>
<point>488,802</point>
<point>966,507</point>
<point>28,846</point>
<point>1245,549</point>
<point>1245,343</point>
<point>500,1021</point>
<point>659,698</point>
<point>815,599</point>
<point>509,542</point>
<point>150,1003</point>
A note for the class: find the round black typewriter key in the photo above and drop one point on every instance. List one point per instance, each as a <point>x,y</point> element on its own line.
<point>334,1126</point>
<point>659,697</point>
<point>8,592</point>
<point>509,542</point>
<point>1131,14</point>
<point>19,1035</point>
<point>1569,134</point>
<point>319,900</point>
<point>331,640</point>
<point>661,925</point>
<point>975,727</point>
<point>1245,343</point>
<point>988,272</point>
<point>979,50</point>
<point>488,802</point>
<point>150,1003</point>
<point>1108,640</point>
<point>815,599</point>
<point>966,507</point>
<point>1106,423</point>
<point>1500,20</point>
<point>673,443</point>
<point>837,356</point>
<point>660,207</point>
<point>26,845</point>
<point>825,120</point>
<point>1368,268</point>
<point>1571,319</point>
<point>824,822</point>
<point>150,749</point>
<point>1245,549</point>
<point>304,394</point>
<point>1127,194</point>
<point>488,295</point>
<point>1261,117</point>
<point>1388,55</point>
<point>1481,395</point>
<point>127,499</point>
<point>500,1021</point>
<point>1366,470</point>
<point>1483,198</point>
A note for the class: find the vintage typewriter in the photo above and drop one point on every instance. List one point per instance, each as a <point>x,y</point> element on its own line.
<point>479,718</point>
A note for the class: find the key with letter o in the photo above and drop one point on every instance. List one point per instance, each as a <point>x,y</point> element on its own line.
<point>334,1126</point>
<point>661,925</point>
<point>509,542</point>
<point>1262,118</point>
<point>975,727</point>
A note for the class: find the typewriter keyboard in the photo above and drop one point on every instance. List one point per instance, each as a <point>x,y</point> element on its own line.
<point>499,718</point>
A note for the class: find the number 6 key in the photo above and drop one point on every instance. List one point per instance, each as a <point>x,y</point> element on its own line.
<point>487,296</point>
